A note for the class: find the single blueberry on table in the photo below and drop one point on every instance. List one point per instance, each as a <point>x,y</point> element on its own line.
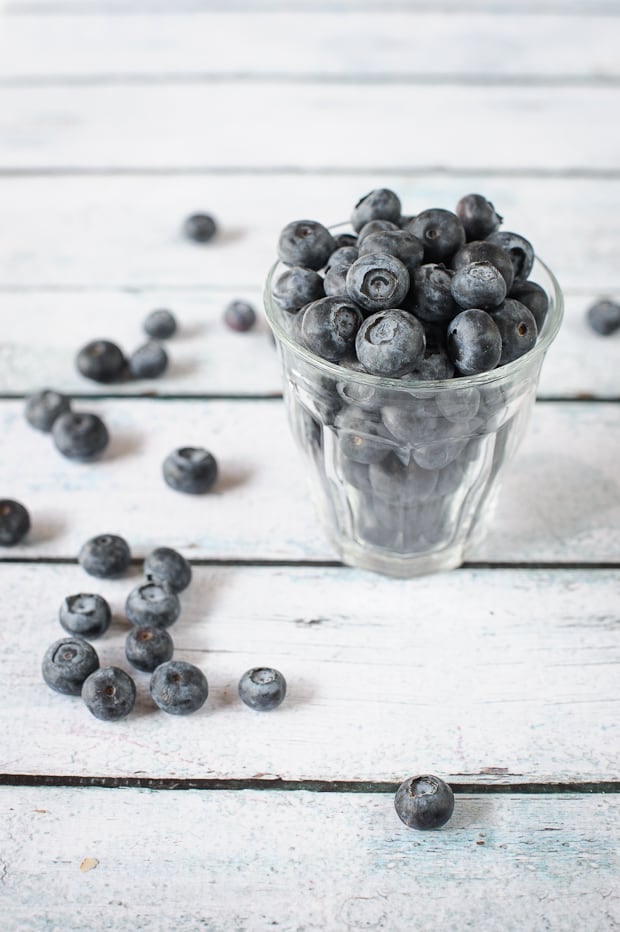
<point>160,324</point>
<point>424,802</point>
<point>329,327</point>
<point>179,688</point>
<point>390,343</point>
<point>262,688</point>
<point>168,568</point>
<point>67,663</point>
<point>405,246</point>
<point>149,361</point>
<point>379,204</point>
<point>376,226</point>
<point>519,249</point>
<point>152,604</point>
<point>200,227</point>
<point>377,282</point>
<point>485,251</point>
<point>441,233</point>
<point>517,329</point>
<point>307,243</point>
<point>478,284</point>
<point>44,407</point>
<point>105,556</point>
<point>239,316</point>
<point>296,287</point>
<point>603,316</point>
<point>474,342</point>
<point>148,646</point>
<point>101,361</point>
<point>109,694</point>
<point>85,614</point>
<point>478,216</point>
<point>14,522</point>
<point>80,435</point>
<point>430,296</point>
<point>536,299</point>
<point>192,470</point>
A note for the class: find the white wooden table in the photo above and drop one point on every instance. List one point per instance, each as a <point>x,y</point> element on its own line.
<point>117,120</point>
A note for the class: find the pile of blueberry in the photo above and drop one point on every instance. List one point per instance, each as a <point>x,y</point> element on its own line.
<point>104,361</point>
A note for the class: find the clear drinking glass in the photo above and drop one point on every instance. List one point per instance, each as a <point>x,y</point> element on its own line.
<point>405,473</point>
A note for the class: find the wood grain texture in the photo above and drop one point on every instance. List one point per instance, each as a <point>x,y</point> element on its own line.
<point>103,127</point>
<point>488,676</point>
<point>315,45</point>
<point>302,861</point>
<point>110,232</point>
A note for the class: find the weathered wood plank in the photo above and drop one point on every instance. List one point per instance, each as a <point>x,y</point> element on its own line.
<point>425,46</point>
<point>126,231</point>
<point>560,500</point>
<point>218,125</point>
<point>494,676</point>
<point>259,860</point>
<point>35,350</point>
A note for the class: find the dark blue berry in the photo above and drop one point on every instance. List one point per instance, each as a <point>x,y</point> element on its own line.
<point>377,282</point>
<point>152,604</point>
<point>362,437</point>
<point>345,239</point>
<point>405,246</point>
<point>335,281</point>
<point>380,204</point>
<point>200,227</point>
<point>517,329</point>
<point>149,361</point>
<point>401,483</point>
<point>329,326</point>
<point>105,556</point>
<point>147,647</point>
<point>536,299</point>
<point>239,316</point>
<point>430,297</point>
<point>603,317</point>
<point>435,365</point>
<point>478,284</point>
<point>67,663</point>
<point>478,216</point>
<point>160,324</point>
<point>190,469</point>
<point>169,568</point>
<point>86,614</point>
<point>101,361</point>
<point>295,288</point>
<point>519,249</point>
<point>262,688</point>
<point>14,522</point>
<point>44,407</point>
<point>474,342</point>
<point>441,233</point>
<point>344,255</point>
<point>485,251</point>
<point>376,226</point>
<point>109,694</point>
<point>179,688</point>
<point>390,343</point>
<point>424,802</point>
<point>307,243</point>
<point>80,436</point>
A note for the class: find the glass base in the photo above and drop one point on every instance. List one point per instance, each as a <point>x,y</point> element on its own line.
<point>396,564</point>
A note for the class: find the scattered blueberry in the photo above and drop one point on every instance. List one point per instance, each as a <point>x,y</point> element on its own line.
<point>179,688</point>
<point>109,694</point>
<point>160,324</point>
<point>190,469</point>
<point>441,232</point>
<point>200,227</point>
<point>148,646</point>
<point>86,614</point>
<point>424,802</point>
<point>168,568</point>
<point>105,556</point>
<point>149,361</point>
<point>517,329</point>
<point>67,663</point>
<point>478,216</point>
<point>80,436</point>
<point>390,343</point>
<point>262,688</point>
<point>152,604</point>
<point>14,522</point>
<point>604,317</point>
<point>478,284</point>
<point>240,316</point>
<point>101,361</point>
<point>296,287</point>
<point>307,243</point>
<point>474,342</point>
<point>380,204</point>
<point>44,407</point>
<point>377,282</point>
<point>329,327</point>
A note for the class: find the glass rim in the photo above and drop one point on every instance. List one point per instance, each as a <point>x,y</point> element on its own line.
<point>500,373</point>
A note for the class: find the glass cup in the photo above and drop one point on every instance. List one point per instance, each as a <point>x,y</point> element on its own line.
<point>405,473</point>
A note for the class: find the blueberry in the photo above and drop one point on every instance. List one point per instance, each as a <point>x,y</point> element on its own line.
<point>478,284</point>
<point>376,226</point>
<point>362,437</point>
<point>435,365</point>
<point>67,663</point>
<point>519,249</point>
<point>474,342</point>
<point>80,436</point>
<point>44,407</point>
<point>344,255</point>
<point>105,556</point>
<point>169,568</point>
<point>160,324</point>
<point>295,288</point>
<point>239,316</point>
<point>262,688</point>
<point>152,604</point>
<point>190,469</point>
<point>109,694</point>
<point>431,294</point>
<point>200,227</point>
<point>377,282</point>
<point>14,522</point>
<point>307,243</point>
<point>459,404</point>
<point>390,343</point>
<point>345,239</point>
<point>405,246</point>
<point>424,802</point>
<point>603,316</point>
<point>149,361</point>
<point>86,614</point>
<point>179,688</point>
<point>335,281</point>
<point>101,361</point>
<point>329,327</point>
<point>535,298</point>
<point>517,329</point>
<point>147,647</point>
<point>401,484</point>
<point>485,251</point>
<point>380,204</point>
<point>478,216</point>
<point>441,232</point>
